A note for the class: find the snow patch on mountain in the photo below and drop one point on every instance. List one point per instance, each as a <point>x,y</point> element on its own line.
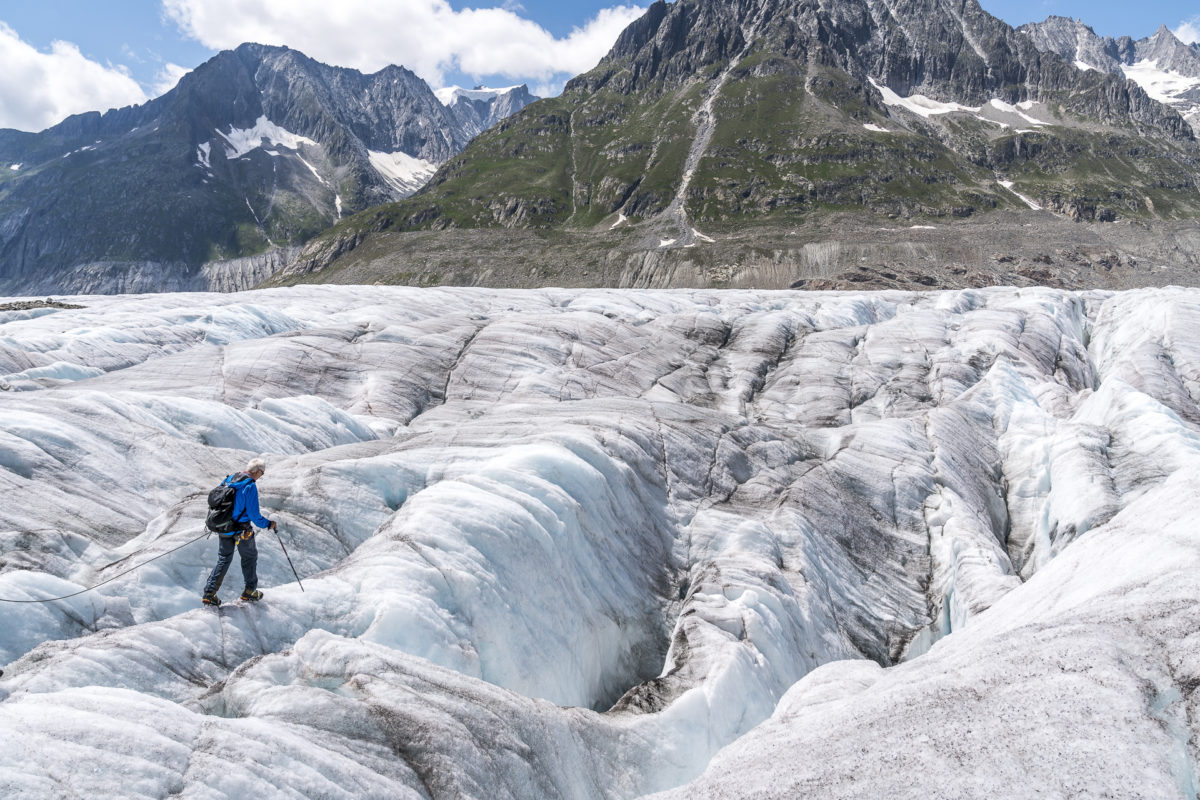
<point>918,103</point>
<point>14,167</point>
<point>1018,110</point>
<point>404,173</point>
<point>242,141</point>
<point>83,149</point>
<point>337,198</point>
<point>313,170</point>
<point>995,111</point>
<point>1027,200</point>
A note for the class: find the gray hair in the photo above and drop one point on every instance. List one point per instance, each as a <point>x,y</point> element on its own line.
<point>256,465</point>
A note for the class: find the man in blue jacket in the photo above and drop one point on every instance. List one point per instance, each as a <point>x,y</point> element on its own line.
<point>245,511</point>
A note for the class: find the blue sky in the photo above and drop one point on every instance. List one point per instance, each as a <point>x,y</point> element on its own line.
<point>64,56</point>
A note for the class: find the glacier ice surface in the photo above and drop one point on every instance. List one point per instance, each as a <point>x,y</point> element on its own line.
<point>606,544</point>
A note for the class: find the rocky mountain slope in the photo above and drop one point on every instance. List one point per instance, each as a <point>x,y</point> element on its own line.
<point>210,185</point>
<point>804,120</point>
<point>1166,68</point>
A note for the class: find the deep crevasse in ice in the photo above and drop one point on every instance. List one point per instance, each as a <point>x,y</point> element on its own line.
<point>574,543</point>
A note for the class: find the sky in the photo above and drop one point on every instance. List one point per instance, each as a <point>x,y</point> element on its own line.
<point>62,57</point>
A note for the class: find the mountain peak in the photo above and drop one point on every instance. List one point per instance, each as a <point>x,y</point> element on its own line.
<point>254,151</point>
<point>1170,55</point>
<point>480,108</point>
<point>258,47</point>
<point>448,95</point>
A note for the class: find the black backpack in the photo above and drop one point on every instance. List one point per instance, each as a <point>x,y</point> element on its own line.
<point>220,508</point>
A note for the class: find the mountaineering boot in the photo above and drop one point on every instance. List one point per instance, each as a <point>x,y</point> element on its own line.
<point>251,594</point>
<point>211,600</point>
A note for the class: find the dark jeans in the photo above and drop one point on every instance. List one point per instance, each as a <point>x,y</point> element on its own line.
<point>249,553</point>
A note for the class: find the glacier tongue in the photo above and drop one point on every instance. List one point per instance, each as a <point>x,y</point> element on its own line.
<point>603,544</point>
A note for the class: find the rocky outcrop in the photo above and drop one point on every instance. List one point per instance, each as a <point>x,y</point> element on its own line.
<point>318,255</point>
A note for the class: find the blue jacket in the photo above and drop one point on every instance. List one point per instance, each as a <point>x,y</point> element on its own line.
<point>245,500</point>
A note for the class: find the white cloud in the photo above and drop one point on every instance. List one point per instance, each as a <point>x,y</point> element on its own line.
<point>427,36</point>
<point>167,77</point>
<point>552,89</point>
<point>1188,31</point>
<point>40,89</point>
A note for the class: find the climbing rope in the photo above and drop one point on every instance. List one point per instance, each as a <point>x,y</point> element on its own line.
<point>109,580</point>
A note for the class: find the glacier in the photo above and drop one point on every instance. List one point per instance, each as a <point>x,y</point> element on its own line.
<point>606,544</point>
<point>404,173</point>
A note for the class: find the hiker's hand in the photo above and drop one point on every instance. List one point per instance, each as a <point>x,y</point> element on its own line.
<point>272,526</point>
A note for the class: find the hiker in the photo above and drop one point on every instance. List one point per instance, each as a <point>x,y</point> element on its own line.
<point>245,516</point>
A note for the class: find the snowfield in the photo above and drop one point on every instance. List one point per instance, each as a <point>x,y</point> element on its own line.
<point>606,544</point>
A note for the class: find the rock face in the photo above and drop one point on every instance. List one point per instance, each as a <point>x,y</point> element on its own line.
<point>1075,41</point>
<point>257,149</point>
<point>707,117</point>
<point>1165,67</point>
<point>953,52</point>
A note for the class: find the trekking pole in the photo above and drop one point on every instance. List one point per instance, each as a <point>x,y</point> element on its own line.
<point>289,558</point>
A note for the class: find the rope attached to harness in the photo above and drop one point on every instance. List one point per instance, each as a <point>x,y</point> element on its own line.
<point>109,580</point>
